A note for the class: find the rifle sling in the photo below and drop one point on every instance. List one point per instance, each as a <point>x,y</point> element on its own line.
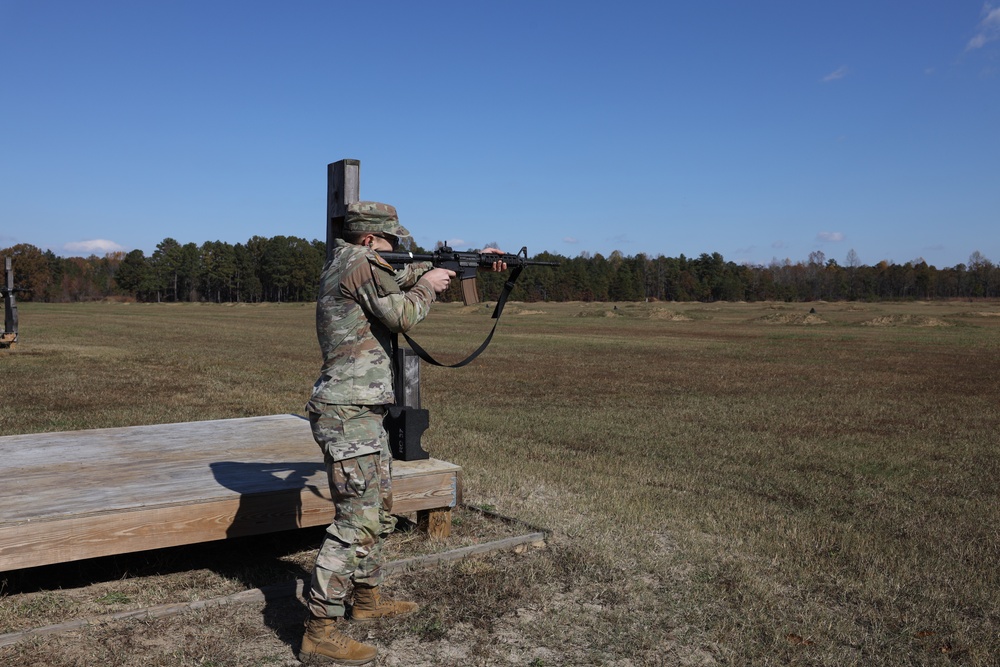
<point>508,286</point>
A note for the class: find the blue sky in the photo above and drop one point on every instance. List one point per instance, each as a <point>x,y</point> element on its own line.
<point>759,130</point>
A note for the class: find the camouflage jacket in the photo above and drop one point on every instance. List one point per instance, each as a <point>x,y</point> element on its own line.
<point>361,303</point>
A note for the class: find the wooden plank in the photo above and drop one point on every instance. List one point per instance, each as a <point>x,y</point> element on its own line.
<point>536,540</point>
<point>419,492</point>
<point>126,468</point>
<point>82,494</point>
<point>165,464</point>
<point>34,543</point>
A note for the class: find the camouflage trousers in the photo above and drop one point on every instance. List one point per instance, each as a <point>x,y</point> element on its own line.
<point>361,486</point>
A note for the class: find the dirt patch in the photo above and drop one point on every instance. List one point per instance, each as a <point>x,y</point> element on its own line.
<point>790,318</point>
<point>905,321</point>
<point>668,315</point>
<point>978,313</point>
<point>487,308</point>
<point>484,307</point>
<point>599,313</point>
<point>637,313</point>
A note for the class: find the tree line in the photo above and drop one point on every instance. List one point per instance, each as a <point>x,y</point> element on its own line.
<point>282,268</point>
<point>287,268</point>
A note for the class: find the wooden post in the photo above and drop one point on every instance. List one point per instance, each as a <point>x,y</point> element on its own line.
<point>343,186</point>
<point>436,523</point>
<point>406,377</point>
<point>8,337</point>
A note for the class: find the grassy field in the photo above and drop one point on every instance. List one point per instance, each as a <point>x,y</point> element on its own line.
<point>738,484</point>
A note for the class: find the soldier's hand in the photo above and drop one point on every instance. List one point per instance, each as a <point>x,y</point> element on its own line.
<point>498,265</point>
<point>438,279</point>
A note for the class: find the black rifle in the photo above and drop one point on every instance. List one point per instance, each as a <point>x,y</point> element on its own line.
<point>465,265</point>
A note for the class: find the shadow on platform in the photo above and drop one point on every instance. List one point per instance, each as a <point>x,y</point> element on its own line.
<point>270,493</point>
<point>271,502</point>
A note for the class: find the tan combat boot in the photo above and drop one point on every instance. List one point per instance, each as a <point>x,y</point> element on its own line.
<point>324,644</point>
<point>369,605</point>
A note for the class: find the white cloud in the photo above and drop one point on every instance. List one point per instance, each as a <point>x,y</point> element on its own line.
<point>570,239</point>
<point>93,247</point>
<point>832,237</point>
<point>836,74</point>
<point>457,244</point>
<point>988,29</point>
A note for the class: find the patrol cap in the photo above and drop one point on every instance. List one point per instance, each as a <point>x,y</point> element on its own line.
<point>374,217</point>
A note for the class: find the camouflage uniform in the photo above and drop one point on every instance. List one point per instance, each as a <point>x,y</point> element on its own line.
<point>361,303</point>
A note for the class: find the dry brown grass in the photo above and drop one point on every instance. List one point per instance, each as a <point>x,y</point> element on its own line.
<point>720,492</point>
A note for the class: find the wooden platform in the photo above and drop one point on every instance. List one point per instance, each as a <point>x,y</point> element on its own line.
<point>81,494</point>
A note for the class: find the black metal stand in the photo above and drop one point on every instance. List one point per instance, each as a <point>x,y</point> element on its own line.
<point>406,421</point>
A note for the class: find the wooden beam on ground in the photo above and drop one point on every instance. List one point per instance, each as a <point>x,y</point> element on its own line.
<point>83,494</point>
<point>282,590</point>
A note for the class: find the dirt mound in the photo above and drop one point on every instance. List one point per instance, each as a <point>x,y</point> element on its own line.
<point>599,313</point>
<point>637,313</point>
<point>669,315</point>
<point>484,307</point>
<point>905,321</point>
<point>791,318</point>
<point>487,308</point>
<point>978,313</point>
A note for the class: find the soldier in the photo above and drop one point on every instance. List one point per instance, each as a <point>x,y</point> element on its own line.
<point>362,302</point>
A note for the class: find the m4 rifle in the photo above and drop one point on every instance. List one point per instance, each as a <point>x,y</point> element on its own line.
<point>466,264</point>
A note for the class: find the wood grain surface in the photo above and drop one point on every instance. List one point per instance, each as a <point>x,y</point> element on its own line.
<point>81,494</point>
